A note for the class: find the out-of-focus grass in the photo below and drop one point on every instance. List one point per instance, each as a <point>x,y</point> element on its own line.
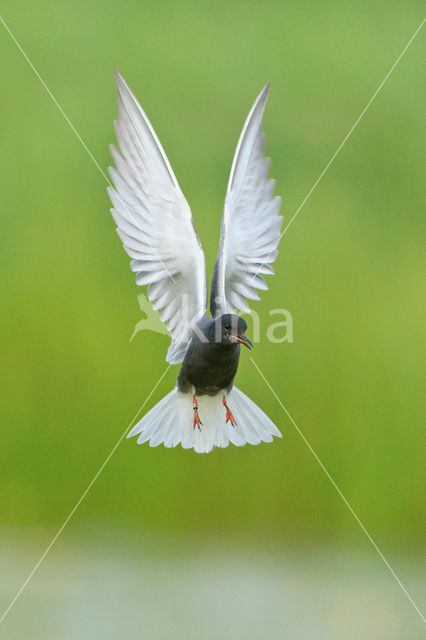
<point>350,268</point>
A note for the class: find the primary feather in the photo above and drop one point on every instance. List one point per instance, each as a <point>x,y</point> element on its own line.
<point>155,224</point>
<point>250,229</point>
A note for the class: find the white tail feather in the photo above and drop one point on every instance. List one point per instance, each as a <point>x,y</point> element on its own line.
<point>171,422</point>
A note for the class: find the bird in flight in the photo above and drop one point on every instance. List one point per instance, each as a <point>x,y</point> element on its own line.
<point>154,222</point>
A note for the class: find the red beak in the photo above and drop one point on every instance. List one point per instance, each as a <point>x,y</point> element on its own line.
<point>244,340</point>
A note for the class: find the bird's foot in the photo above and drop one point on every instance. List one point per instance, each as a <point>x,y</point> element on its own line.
<point>197,421</point>
<point>229,417</point>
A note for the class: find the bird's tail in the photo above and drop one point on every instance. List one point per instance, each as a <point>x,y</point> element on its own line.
<point>171,422</point>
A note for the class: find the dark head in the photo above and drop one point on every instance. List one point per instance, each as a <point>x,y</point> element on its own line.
<point>230,329</point>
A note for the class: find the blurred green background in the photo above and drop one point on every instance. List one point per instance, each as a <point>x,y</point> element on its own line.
<point>350,270</point>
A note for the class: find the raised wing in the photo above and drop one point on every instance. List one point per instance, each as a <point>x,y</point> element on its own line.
<point>155,224</point>
<point>251,225</point>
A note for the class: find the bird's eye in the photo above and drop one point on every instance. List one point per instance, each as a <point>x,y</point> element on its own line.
<point>228,327</point>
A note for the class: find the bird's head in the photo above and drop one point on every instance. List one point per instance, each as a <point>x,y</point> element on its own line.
<point>230,329</point>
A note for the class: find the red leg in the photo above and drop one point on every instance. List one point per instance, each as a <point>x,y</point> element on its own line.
<point>229,417</point>
<point>197,420</point>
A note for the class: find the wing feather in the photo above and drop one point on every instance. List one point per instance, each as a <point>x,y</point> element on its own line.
<point>251,226</point>
<point>155,224</point>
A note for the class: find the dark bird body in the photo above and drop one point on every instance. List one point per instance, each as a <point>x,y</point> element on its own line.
<point>210,365</point>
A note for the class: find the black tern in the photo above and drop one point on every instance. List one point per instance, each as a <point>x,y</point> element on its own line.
<point>154,222</point>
